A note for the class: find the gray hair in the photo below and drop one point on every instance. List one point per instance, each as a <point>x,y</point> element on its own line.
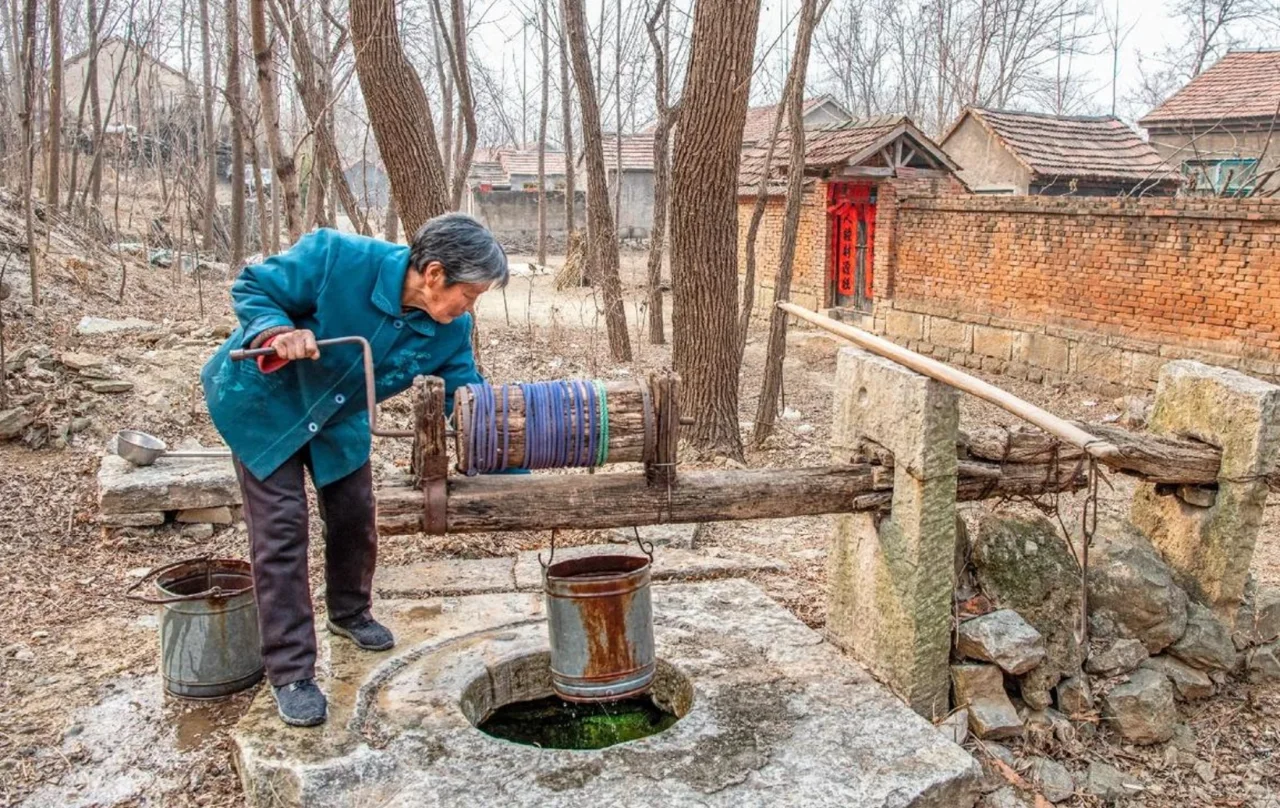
<point>468,252</point>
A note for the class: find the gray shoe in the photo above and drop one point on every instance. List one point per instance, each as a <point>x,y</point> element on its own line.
<point>301,704</point>
<point>365,632</point>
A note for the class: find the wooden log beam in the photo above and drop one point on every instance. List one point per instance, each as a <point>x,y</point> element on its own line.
<point>580,501</point>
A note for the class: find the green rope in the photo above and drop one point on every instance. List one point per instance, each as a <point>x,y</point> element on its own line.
<point>602,452</point>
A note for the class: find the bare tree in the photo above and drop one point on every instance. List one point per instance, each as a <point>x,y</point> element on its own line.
<point>566,133</point>
<point>757,217</point>
<point>237,132</point>
<point>542,136</point>
<point>602,247</point>
<point>399,113</point>
<point>446,89</point>
<point>666,115</point>
<point>704,219</point>
<point>210,135</point>
<point>55,103</point>
<point>456,47</point>
<point>282,163</point>
<point>28,142</point>
<point>767,406</point>
<point>617,113</point>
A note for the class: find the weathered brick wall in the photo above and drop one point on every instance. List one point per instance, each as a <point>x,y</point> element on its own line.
<point>1104,291</point>
<point>808,280</point>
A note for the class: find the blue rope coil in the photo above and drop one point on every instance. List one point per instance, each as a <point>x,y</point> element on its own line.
<point>566,425</point>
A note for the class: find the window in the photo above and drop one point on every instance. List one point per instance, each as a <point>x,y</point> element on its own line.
<point>1231,176</point>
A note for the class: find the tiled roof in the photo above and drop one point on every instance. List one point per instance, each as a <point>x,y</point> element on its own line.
<point>487,173</point>
<point>1098,148</point>
<point>824,148</point>
<point>637,152</point>
<point>1243,84</point>
<point>525,162</point>
<point>760,119</point>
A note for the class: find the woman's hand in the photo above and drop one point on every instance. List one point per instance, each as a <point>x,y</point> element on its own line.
<point>300,344</point>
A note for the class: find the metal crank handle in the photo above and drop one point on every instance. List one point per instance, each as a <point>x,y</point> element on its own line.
<point>371,401</point>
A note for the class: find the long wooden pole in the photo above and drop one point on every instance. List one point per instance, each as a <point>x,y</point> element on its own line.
<point>1096,447</point>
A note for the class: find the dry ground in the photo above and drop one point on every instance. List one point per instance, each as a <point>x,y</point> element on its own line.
<point>83,720</point>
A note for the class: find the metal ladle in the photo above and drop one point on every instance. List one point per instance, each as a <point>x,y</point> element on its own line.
<point>142,449</point>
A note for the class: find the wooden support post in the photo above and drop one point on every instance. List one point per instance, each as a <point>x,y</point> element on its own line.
<point>665,390</point>
<point>430,451</point>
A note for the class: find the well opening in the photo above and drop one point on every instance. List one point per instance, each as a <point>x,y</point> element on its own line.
<point>514,700</point>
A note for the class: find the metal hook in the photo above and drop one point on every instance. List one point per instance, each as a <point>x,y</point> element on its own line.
<point>646,547</point>
<point>551,557</point>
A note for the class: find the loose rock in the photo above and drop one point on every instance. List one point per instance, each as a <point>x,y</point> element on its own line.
<point>956,726</point>
<point>214,516</point>
<point>198,532</point>
<point>1026,566</point>
<point>95,326</point>
<point>1131,588</point>
<point>980,688</point>
<point>1206,644</point>
<point>1075,696</point>
<point>13,422</point>
<point>1258,621</point>
<point>1007,797</point>
<point>1116,658</point>
<point>1263,663</point>
<point>1142,709</point>
<point>1004,638</point>
<point>111,386</point>
<point>1188,683</point>
<point>1109,783</point>
<point>80,361</point>
<point>1053,779</point>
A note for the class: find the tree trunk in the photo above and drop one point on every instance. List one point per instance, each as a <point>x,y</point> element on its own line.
<point>704,220</point>
<point>602,244</point>
<point>757,215</point>
<point>95,102</point>
<point>399,112</point>
<point>391,224</point>
<point>446,91</point>
<point>286,173</point>
<point>55,104</point>
<point>28,142</point>
<point>766,408</point>
<point>566,125</point>
<point>661,177</point>
<point>237,133</point>
<point>617,113</point>
<point>542,139</point>
<point>210,135</point>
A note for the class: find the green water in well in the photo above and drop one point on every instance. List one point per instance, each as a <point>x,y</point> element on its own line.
<point>553,723</point>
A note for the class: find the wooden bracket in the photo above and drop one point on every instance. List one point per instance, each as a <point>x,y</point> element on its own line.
<point>430,463</point>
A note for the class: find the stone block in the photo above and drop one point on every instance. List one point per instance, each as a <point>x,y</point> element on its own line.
<point>1075,696</point>
<point>1132,588</point>
<point>1211,549</point>
<point>144,519</point>
<point>1142,709</point>
<point>903,325</point>
<point>169,485</point>
<point>1098,361</point>
<point>1142,370</point>
<point>1043,351</point>
<point>890,581</point>
<point>947,333</point>
<point>220,515</point>
<point>1188,683</point>
<point>993,342</point>
<point>1002,637</point>
<point>980,689</point>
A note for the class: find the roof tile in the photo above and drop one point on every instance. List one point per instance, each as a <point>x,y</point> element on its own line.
<point>1241,85</point>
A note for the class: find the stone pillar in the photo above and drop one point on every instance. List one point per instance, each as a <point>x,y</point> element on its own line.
<point>891,580</point>
<point>1208,539</point>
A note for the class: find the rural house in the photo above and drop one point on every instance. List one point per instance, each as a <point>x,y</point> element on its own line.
<point>635,218</point>
<point>818,112</point>
<point>1220,129</point>
<point>1004,152</point>
<point>854,174</point>
<point>145,89</point>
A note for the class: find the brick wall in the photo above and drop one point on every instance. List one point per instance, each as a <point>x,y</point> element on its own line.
<point>808,280</point>
<point>1103,291</point>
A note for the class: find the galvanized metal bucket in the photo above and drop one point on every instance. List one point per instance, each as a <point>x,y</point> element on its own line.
<point>600,620</point>
<point>209,644</point>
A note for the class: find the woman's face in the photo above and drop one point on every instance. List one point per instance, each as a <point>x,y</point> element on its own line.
<point>429,291</point>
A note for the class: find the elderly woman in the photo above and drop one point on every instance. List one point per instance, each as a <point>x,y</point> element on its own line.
<point>283,415</point>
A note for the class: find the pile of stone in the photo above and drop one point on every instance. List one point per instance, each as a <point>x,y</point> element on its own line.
<point>1020,671</point>
<point>199,494</point>
<point>52,396</point>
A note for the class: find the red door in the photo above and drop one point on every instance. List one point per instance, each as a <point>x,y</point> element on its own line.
<point>851,218</point>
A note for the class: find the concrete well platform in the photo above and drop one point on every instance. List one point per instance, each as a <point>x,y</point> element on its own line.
<point>777,717</point>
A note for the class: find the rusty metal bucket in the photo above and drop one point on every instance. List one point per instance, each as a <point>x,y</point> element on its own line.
<point>209,646</point>
<point>600,619</point>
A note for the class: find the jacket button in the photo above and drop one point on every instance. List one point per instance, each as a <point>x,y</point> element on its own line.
<point>399,324</point>
<point>340,398</point>
<point>311,427</point>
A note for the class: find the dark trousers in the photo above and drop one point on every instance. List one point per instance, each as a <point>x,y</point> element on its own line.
<point>275,510</point>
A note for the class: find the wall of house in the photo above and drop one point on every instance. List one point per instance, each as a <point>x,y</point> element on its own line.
<point>512,216</point>
<point>984,163</point>
<point>635,220</point>
<point>1177,148</point>
<point>1103,291</point>
<point>809,272</point>
<point>156,90</point>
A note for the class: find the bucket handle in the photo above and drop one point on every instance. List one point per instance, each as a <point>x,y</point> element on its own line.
<point>212,592</point>
<point>646,547</point>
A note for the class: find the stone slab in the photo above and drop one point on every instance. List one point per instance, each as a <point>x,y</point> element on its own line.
<point>682,536</point>
<point>98,326</point>
<point>220,515</point>
<point>778,717</point>
<point>446,577</point>
<point>171,484</point>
